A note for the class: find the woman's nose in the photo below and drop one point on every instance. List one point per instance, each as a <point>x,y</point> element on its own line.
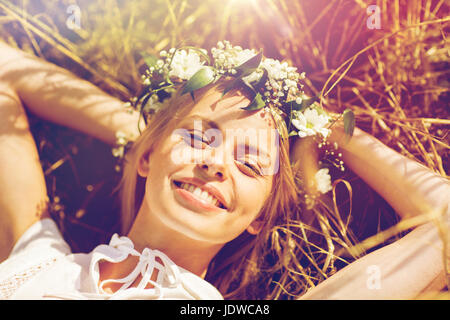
<point>212,170</point>
<point>213,165</point>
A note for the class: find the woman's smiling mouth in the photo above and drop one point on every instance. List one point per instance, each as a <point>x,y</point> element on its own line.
<point>197,195</point>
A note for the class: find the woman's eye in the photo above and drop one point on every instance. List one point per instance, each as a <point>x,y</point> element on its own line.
<point>250,167</point>
<point>196,140</point>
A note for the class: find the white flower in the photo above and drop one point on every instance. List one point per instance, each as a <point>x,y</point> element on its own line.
<point>280,70</point>
<point>153,105</point>
<point>323,180</point>
<point>228,57</point>
<point>185,64</point>
<point>253,77</point>
<point>121,141</point>
<point>121,138</point>
<point>310,122</point>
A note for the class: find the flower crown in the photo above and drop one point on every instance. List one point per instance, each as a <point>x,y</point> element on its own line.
<point>277,87</point>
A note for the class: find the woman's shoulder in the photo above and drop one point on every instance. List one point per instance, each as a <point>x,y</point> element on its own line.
<point>42,235</point>
<point>36,250</point>
<point>40,243</point>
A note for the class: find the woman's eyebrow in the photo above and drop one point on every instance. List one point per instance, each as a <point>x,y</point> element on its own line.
<point>209,123</point>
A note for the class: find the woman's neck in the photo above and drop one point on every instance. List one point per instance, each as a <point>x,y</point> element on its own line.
<point>151,233</point>
<point>191,255</point>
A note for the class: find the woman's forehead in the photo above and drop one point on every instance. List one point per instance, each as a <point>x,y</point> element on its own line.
<point>228,113</point>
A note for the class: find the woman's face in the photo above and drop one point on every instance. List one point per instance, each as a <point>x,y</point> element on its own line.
<point>210,178</point>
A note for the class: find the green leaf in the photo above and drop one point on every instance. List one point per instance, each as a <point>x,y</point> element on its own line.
<point>233,84</point>
<point>262,81</point>
<point>200,79</point>
<point>145,100</point>
<point>256,104</point>
<point>305,103</point>
<point>310,101</point>
<point>240,82</point>
<point>249,66</point>
<point>349,122</point>
<point>150,60</point>
<point>295,106</point>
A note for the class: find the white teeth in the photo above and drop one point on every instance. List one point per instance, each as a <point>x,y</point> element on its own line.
<point>200,193</point>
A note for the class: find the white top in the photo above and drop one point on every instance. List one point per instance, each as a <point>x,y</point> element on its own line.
<point>42,266</point>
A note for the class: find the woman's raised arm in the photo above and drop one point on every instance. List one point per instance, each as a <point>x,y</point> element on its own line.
<point>55,94</point>
<point>409,187</point>
<point>418,262</point>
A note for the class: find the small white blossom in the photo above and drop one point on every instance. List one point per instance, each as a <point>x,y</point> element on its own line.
<point>228,57</point>
<point>323,180</point>
<point>160,63</point>
<point>153,105</point>
<point>310,122</point>
<point>117,152</point>
<point>121,141</point>
<point>121,138</point>
<point>254,76</point>
<point>185,64</point>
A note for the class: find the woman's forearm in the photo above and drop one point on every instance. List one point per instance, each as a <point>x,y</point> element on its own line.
<point>405,269</point>
<point>55,94</point>
<point>409,187</point>
<point>418,262</point>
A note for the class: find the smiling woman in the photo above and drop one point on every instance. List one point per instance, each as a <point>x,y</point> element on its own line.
<point>218,192</point>
<point>213,190</point>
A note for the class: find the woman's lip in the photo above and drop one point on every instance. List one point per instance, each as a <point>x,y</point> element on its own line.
<point>210,189</point>
<point>193,202</point>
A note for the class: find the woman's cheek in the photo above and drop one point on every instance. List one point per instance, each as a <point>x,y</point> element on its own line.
<point>180,154</point>
<point>252,197</point>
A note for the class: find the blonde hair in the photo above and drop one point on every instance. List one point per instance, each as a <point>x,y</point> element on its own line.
<point>132,186</point>
<point>247,265</point>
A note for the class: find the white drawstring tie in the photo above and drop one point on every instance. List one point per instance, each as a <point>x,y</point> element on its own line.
<point>145,268</point>
<point>167,271</point>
